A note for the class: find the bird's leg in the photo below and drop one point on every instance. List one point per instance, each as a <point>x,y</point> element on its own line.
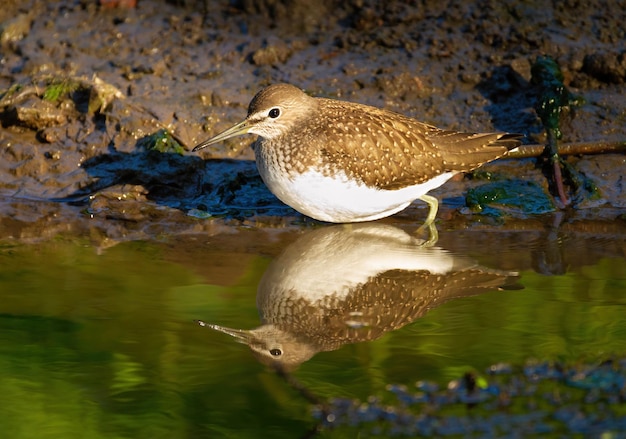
<point>433,205</point>
<point>433,234</point>
<point>431,231</point>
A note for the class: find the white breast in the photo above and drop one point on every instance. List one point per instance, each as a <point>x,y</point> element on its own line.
<point>338,199</point>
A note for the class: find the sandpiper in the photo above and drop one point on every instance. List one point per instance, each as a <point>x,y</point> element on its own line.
<point>342,162</point>
<point>352,283</point>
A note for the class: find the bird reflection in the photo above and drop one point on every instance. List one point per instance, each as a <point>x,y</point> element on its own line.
<point>353,283</point>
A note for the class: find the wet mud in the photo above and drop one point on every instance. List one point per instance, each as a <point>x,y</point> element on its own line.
<point>89,91</point>
<point>102,102</point>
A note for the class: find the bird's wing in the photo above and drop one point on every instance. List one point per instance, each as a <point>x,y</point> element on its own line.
<point>390,151</point>
<point>467,151</point>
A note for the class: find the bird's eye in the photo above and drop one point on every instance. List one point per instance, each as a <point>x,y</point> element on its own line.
<point>274,113</point>
<point>276,352</point>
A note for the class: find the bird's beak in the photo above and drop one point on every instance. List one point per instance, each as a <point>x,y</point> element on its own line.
<point>238,334</point>
<point>242,127</point>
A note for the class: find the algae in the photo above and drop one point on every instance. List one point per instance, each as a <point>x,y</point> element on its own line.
<point>554,102</point>
<point>161,141</point>
<point>498,197</point>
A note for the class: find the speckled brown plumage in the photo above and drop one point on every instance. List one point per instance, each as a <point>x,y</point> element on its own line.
<point>375,146</point>
<point>389,150</point>
<point>384,303</point>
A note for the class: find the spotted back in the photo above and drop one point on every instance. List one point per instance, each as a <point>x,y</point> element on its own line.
<point>392,151</point>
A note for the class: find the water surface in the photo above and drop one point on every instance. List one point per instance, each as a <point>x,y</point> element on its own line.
<point>101,343</point>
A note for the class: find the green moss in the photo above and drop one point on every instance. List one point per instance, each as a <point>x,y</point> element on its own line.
<point>58,89</point>
<point>161,141</point>
<point>554,97</point>
<point>498,197</point>
<point>11,91</point>
<point>586,187</point>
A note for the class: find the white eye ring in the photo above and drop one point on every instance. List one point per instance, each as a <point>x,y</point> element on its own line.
<point>274,112</point>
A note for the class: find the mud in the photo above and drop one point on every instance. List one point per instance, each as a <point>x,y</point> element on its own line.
<point>84,88</point>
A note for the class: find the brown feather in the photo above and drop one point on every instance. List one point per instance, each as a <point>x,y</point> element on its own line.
<point>391,151</point>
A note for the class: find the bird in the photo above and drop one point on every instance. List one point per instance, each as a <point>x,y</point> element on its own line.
<point>345,284</point>
<point>343,162</point>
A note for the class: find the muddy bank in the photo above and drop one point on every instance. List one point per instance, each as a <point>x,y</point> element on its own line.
<point>90,94</point>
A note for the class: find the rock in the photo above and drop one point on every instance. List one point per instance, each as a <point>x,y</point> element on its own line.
<point>606,67</point>
<point>15,29</point>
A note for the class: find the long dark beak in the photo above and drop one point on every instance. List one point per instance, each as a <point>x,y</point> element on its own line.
<point>239,334</point>
<point>242,127</point>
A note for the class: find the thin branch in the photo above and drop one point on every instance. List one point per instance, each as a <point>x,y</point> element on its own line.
<point>536,150</point>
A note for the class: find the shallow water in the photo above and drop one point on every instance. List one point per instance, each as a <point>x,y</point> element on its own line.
<point>103,342</point>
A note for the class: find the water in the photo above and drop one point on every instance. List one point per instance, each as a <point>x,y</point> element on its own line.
<point>99,343</point>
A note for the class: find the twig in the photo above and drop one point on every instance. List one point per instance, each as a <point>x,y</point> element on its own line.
<point>536,150</point>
